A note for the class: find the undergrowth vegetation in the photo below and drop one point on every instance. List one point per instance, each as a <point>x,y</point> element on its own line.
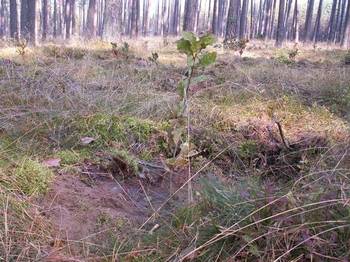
<point>269,149</point>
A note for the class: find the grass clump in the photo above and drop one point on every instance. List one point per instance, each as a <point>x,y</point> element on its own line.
<point>72,157</point>
<point>31,177</point>
<point>107,128</point>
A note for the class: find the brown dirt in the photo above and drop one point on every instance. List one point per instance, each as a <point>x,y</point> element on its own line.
<point>89,211</point>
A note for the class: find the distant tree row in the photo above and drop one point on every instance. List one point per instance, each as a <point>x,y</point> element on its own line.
<point>279,20</point>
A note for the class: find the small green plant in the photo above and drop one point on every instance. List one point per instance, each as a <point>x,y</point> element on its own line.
<point>236,45</point>
<point>154,58</point>
<point>284,59</point>
<point>193,47</point>
<point>125,48</point>
<point>247,149</point>
<point>22,47</point>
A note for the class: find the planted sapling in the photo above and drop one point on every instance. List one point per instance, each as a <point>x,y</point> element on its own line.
<point>194,48</point>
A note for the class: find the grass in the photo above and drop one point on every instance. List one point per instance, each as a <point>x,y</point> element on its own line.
<point>249,204</point>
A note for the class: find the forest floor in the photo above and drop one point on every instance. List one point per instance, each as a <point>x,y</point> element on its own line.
<point>92,166</point>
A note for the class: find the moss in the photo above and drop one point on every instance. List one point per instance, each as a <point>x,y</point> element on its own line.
<point>31,177</point>
<point>69,157</point>
<point>107,128</point>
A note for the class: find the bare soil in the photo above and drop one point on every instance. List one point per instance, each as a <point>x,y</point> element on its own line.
<point>93,209</point>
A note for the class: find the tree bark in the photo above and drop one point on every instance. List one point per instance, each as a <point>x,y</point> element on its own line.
<point>13,19</point>
<point>243,20</point>
<point>345,41</point>
<point>280,25</point>
<point>308,21</point>
<point>232,20</point>
<point>91,20</point>
<point>318,22</point>
<point>190,15</point>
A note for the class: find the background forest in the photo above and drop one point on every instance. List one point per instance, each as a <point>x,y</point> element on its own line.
<point>308,21</point>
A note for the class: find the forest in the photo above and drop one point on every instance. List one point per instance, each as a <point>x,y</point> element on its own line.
<point>174,130</point>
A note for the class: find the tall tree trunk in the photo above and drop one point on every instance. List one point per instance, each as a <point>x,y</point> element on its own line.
<point>68,17</point>
<point>73,26</point>
<point>91,20</point>
<point>135,17</point>
<point>318,22</point>
<point>175,18</point>
<point>190,15</point>
<point>28,21</point>
<point>296,22</point>
<point>308,21</point>
<point>214,23</point>
<point>232,20</point>
<point>13,19</point>
<point>345,41</point>
<point>243,20</point>
<point>331,24</point>
<point>145,17</point>
<point>280,25</point>
<point>44,19</point>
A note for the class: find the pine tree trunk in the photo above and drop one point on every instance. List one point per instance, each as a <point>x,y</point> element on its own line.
<point>345,41</point>
<point>190,15</point>
<point>243,20</point>
<point>280,25</point>
<point>318,22</point>
<point>308,21</point>
<point>232,20</point>
<point>331,24</point>
<point>91,20</point>
<point>214,20</point>
<point>13,19</point>
<point>135,17</point>
<point>296,22</point>
<point>44,19</point>
<point>145,17</point>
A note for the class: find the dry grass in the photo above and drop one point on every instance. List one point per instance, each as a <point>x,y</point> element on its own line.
<point>46,95</point>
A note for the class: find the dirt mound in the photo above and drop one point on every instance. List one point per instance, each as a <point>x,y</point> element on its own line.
<point>91,210</point>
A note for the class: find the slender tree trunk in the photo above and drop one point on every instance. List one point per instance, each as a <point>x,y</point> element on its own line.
<point>214,20</point>
<point>145,17</point>
<point>331,24</point>
<point>280,25</point>
<point>135,17</point>
<point>190,15</point>
<point>91,20</point>
<point>232,20</point>
<point>308,21</point>
<point>318,22</point>
<point>345,41</point>
<point>68,17</point>
<point>13,19</point>
<point>44,19</point>
<point>243,20</point>
<point>296,22</point>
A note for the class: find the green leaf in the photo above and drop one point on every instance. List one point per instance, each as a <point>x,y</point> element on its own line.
<point>189,36</point>
<point>181,88</point>
<point>207,59</point>
<point>184,46</point>
<point>207,40</point>
<point>196,47</point>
